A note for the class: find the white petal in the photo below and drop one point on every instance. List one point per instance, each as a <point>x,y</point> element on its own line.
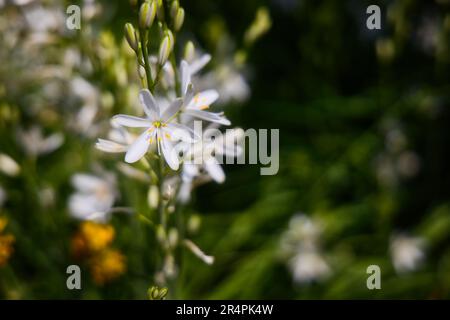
<point>130,121</point>
<point>184,194</point>
<point>87,183</point>
<point>203,99</point>
<point>185,76</point>
<point>198,64</point>
<point>214,170</point>
<point>190,171</point>
<point>180,132</point>
<point>110,146</point>
<point>189,95</point>
<point>52,143</point>
<point>138,149</point>
<point>149,104</point>
<point>169,153</point>
<point>174,107</point>
<point>208,116</point>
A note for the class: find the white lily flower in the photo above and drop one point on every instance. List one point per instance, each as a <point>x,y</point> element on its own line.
<point>301,245</point>
<point>201,158</point>
<point>407,253</point>
<point>229,82</point>
<point>194,105</point>
<point>160,129</point>
<point>307,266</point>
<point>198,62</point>
<point>34,143</point>
<point>118,142</point>
<point>94,197</point>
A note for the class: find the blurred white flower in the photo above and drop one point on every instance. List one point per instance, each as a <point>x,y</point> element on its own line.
<point>307,266</point>
<point>229,82</point>
<point>302,231</point>
<point>160,129</point>
<point>407,253</point>
<point>90,96</point>
<point>197,61</point>
<point>132,172</point>
<point>201,158</point>
<point>47,196</point>
<point>94,197</point>
<point>300,244</point>
<point>119,141</point>
<point>8,166</point>
<point>34,143</point>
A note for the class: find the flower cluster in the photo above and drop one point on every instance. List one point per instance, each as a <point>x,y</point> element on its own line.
<point>300,243</point>
<point>166,139</point>
<point>91,244</point>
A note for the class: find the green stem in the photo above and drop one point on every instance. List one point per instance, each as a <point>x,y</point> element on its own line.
<point>148,71</point>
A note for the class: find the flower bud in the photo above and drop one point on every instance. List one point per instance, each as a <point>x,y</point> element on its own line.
<point>174,9</point>
<point>147,14</point>
<point>189,51</point>
<point>179,19</point>
<point>194,223</point>
<point>155,293</point>
<point>161,234</point>
<point>173,237</point>
<point>165,48</point>
<point>142,75</point>
<point>130,35</point>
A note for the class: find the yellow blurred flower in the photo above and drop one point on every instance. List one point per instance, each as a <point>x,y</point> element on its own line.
<point>6,243</point>
<point>107,266</point>
<point>92,237</point>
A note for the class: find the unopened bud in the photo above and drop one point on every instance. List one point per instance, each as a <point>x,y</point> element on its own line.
<point>153,192</point>
<point>155,293</point>
<point>173,237</point>
<point>147,14</point>
<point>194,223</point>
<point>165,48</point>
<point>161,234</point>
<point>179,19</point>
<point>189,51</point>
<point>174,9</point>
<point>130,35</point>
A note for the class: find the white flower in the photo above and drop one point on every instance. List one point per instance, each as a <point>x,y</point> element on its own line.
<point>94,197</point>
<point>407,252</point>
<point>195,65</point>
<point>119,141</point>
<point>35,144</point>
<point>8,165</point>
<point>308,266</point>
<point>198,62</point>
<point>300,243</point>
<point>194,105</point>
<point>229,82</point>
<point>201,158</point>
<point>160,129</point>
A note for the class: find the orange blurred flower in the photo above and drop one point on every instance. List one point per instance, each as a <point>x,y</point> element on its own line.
<point>107,265</point>
<point>91,237</point>
<point>6,243</point>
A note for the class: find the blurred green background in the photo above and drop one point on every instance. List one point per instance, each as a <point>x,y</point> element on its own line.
<point>364,152</point>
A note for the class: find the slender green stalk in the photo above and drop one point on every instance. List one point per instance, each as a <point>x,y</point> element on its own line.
<point>148,71</point>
